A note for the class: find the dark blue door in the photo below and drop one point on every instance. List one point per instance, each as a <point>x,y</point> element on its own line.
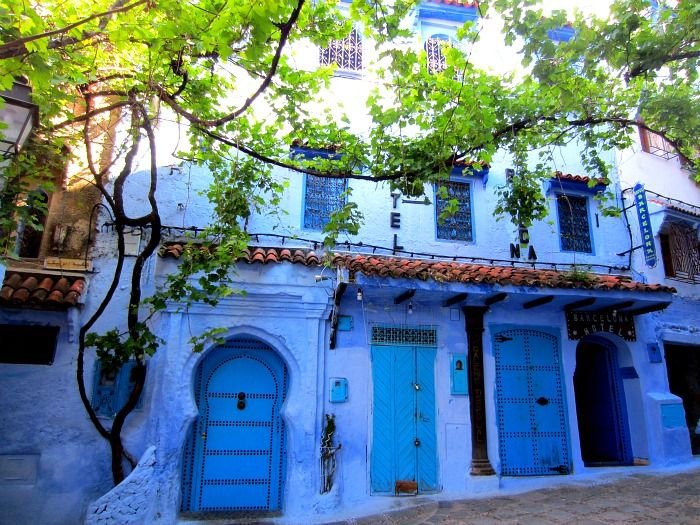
<point>530,405</point>
<point>237,450</point>
<point>403,436</point>
<point>600,406</point>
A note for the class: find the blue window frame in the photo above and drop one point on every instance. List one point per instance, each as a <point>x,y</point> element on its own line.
<point>457,227</point>
<point>322,196</point>
<point>574,225</point>
<point>112,387</point>
<point>345,53</point>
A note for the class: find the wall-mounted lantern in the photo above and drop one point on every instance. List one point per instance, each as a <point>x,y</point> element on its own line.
<point>19,115</point>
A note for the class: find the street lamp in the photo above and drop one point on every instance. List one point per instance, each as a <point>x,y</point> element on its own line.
<point>19,116</point>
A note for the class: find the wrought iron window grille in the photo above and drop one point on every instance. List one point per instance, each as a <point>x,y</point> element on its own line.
<point>403,335</point>
<point>322,196</point>
<point>574,227</point>
<point>457,227</point>
<point>346,53</point>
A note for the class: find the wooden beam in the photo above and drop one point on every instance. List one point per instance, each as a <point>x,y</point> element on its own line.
<point>614,307</point>
<point>579,304</point>
<point>497,298</point>
<point>651,308</point>
<point>405,296</point>
<point>538,302</point>
<point>458,298</point>
<point>474,326</point>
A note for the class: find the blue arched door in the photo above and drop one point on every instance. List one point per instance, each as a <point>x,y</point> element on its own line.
<point>235,457</point>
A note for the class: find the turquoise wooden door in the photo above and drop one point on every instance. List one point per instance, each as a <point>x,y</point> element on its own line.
<point>237,449</point>
<point>530,404</point>
<point>403,437</point>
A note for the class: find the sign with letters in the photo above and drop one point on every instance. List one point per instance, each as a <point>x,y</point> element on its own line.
<point>648,246</point>
<point>581,324</point>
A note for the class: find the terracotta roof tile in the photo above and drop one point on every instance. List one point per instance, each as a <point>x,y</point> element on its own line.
<point>456,3</point>
<point>477,273</point>
<point>50,292</point>
<point>255,254</point>
<point>575,178</point>
<point>440,271</point>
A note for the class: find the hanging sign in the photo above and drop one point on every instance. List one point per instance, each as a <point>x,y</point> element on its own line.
<point>648,246</point>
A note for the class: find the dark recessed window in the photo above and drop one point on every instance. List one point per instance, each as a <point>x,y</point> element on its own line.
<point>28,344</point>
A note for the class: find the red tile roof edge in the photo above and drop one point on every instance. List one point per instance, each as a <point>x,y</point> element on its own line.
<point>576,178</point>
<point>440,271</point>
<point>456,3</point>
<point>444,271</point>
<point>43,291</point>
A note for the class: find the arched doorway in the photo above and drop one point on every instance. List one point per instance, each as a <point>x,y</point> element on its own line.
<point>600,405</point>
<point>235,455</point>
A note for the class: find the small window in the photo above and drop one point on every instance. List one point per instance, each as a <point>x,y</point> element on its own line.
<point>345,53</point>
<point>28,344</point>
<point>435,56</point>
<point>457,227</point>
<point>322,196</point>
<point>574,227</point>
<point>680,252</point>
<point>112,388</point>
<point>656,145</point>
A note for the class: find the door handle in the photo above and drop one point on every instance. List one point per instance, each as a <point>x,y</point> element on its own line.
<point>417,442</point>
<point>542,401</point>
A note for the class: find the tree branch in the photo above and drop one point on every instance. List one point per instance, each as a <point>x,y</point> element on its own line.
<point>18,47</point>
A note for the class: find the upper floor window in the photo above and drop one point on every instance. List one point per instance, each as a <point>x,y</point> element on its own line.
<point>656,144</point>
<point>322,196</point>
<point>435,56</point>
<point>574,225</point>
<point>345,53</point>
<point>453,211</point>
<point>680,252</point>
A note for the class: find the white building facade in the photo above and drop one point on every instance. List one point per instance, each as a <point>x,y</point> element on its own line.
<point>418,357</point>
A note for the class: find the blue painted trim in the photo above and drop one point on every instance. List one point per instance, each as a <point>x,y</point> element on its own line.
<point>448,12</point>
<point>561,34</point>
<point>312,153</point>
<point>568,186</point>
<point>483,173</point>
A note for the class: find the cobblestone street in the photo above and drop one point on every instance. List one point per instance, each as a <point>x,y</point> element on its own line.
<point>643,499</point>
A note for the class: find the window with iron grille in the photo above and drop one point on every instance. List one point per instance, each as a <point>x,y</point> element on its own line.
<point>322,196</point>
<point>680,252</point>
<point>433,49</point>
<point>345,53</point>
<point>112,388</point>
<point>574,227</point>
<point>457,227</point>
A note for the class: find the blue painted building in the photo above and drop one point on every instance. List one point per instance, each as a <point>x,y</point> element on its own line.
<point>425,358</point>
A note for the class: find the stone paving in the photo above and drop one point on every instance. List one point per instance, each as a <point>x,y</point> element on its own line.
<point>642,499</point>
